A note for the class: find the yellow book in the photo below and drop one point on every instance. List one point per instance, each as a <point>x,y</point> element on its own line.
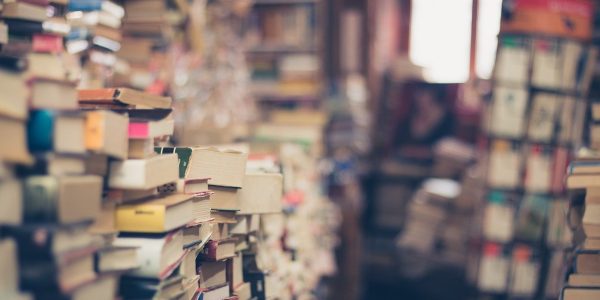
<point>157,215</point>
<point>106,132</point>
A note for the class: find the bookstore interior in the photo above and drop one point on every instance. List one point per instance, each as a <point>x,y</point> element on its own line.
<point>299,149</point>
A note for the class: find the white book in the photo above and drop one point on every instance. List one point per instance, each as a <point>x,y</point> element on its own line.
<point>493,273</point>
<point>508,111</point>
<point>512,64</point>
<point>261,193</point>
<point>498,222</point>
<point>143,174</point>
<point>547,65</point>
<point>543,116</point>
<point>157,257</point>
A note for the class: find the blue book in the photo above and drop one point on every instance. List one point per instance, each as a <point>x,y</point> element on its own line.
<point>40,130</point>
<point>84,5</point>
<point>60,132</point>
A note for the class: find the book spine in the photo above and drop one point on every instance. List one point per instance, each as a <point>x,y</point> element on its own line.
<point>47,43</point>
<point>23,27</point>
<point>84,5</point>
<point>139,130</point>
<point>94,130</point>
<point>40,129</point>
<point>40,199</point>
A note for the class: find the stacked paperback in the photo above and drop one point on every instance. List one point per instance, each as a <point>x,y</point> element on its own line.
<point>584,279</point>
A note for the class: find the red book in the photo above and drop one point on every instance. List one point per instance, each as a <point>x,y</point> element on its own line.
<point>47,43</point>
<point>218,250</point>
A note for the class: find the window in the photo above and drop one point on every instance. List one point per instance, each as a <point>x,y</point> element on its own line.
<point>440,38</point>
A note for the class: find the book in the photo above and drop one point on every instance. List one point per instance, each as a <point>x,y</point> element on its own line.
<point>49,276</point>
<point>62,199</point>
<point>96,164</point>
<point>525,271</point>
<point>13,145</point>
<point>52,94</point>
<point>194,186</point>
<point>157,215</point>
<point>11,206</point>
<point>580,293</point>
<point>223,216</point>
<point>24,11</point>
<point>158,255</point>
<point>59,132</point>
<point>45,65</point>
<point>218,250</point>
<point>543,117</point>
<point>584,168</point>
<point>3,33</point>
<point>508,111</point>
<point>106,133</point>
<point>216,293</point>
<point>116,259</point>
<point>498,218</point>
<point>220,231</point>
<point>504,164</point>
<point>225,197</point>
<point>125,196</point>
<point>583,280</point>
<point>237,277</point>
<point>512,61</point>
<point>123,96</point>
<point>145,129</point>
<point>50,241</point>
<point>587,262</point>
<point>9,277</point>
<point>538,174</point>
<point>143,174</point>
<point>583,181</point>
<point>261,193</point>
<point>224,168</point>
<point>202,204</point>
<point>546,70</point>
<point>242,227</point>
<point>13,101</point>
<point>104,287</point>
<point>493,269</point>
<point>141,148</point>
<point>591,220</point>
<point>212,274</point>
<point>47,43</point>
<point>243,291</point>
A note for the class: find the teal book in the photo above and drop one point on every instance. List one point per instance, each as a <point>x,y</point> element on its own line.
<point>40,130</point>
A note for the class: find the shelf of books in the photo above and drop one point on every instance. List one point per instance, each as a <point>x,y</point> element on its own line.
<point>534,123</point>
<point>283,46</point>
<point>101,197</point>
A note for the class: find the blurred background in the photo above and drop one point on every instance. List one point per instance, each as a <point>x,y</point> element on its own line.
<point>438,132</point>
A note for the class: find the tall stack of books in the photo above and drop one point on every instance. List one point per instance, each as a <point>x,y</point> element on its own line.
<point>584,273</point>
<point>95,37</point>
<point>46,212</point>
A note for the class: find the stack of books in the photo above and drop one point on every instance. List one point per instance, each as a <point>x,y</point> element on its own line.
<point>95,36</point>
<point>49,209</point>
<point>584,280</point>
<point>150,28</point>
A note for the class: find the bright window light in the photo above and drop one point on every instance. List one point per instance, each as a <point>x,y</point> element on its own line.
<point>488,26</point>
<point>440,39</point>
